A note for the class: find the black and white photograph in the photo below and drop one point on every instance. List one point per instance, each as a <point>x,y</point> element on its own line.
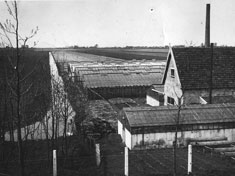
<point>117,88</point>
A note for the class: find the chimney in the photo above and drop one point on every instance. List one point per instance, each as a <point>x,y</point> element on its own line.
<point>207,35</point>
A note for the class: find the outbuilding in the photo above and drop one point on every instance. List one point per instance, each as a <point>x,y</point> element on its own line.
<point>145,126</point>
<point>155,95</point>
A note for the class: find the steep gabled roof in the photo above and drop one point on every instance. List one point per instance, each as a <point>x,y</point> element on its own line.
<point>194,65</point>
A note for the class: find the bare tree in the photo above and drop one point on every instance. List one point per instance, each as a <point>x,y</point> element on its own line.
<point>10,30</point>
<point>78,97</point>
<point>179,106</point>
<point>62,111</point>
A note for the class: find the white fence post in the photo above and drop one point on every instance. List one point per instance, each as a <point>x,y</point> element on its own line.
<point>126,162</point>
<point>54,163</point>
<point>189,158</point>
<point>97,151</point>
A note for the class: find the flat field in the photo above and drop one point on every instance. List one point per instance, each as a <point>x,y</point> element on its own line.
<point>128,54</point>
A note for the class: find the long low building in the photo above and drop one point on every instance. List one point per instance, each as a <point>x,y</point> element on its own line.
<point>142,126</point>
<point>119,85</point>
<point>127,79</point>
<point>106,77</point>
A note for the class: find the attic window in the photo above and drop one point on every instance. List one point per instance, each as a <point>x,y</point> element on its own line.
<point>172,72</point>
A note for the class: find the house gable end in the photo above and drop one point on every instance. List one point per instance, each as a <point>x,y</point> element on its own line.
<point>170,58</point>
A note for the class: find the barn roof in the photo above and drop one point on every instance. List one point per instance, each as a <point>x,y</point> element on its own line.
<point>121,79</point>
<point>166,115</point>
<point>194,63</point>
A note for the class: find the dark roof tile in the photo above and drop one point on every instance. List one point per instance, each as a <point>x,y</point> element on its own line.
<point>194,65</point>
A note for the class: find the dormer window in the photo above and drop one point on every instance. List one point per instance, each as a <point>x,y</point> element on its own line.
<point>172,72</point>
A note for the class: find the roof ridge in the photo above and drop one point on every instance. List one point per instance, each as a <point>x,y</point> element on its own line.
<point>199,106</point>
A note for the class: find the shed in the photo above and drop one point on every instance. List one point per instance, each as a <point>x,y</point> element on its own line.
<point>155,95</point>
<point>139,126</point>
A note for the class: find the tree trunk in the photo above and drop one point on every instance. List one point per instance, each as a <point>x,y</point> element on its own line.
<point>176,136</point>
<point>20,146</point>
<point>174,152</point>
<point>65,136</point>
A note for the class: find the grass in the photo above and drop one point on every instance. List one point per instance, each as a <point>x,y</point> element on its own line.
<point>160,161</point>
<point>80,158</point>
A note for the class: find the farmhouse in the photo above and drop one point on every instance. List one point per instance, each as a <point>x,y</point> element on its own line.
<point>143,126</point>
<point>201,75</point>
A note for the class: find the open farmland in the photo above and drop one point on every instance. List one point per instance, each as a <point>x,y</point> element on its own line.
<point>72,56</point>
<point>128,54</point>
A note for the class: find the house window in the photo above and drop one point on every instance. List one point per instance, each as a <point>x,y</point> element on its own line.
<point>170,101</point>
<point>172,72</point>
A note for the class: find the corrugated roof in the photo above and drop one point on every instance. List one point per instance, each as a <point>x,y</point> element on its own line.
<point>118,67</point>
<point>193,66</point>
<point>121,79</point>
<point>166,115</point>
<point>98,71</point>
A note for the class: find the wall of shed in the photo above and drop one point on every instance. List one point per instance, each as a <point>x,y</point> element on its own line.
<point>152,101</point>
<point>128,140</point>
<point>165,139</point>
<point>154,98</point>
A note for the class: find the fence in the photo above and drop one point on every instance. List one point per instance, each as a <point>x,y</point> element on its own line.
<point>115,161</point>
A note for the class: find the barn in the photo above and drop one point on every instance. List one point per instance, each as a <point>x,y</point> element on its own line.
<point>155,126</point>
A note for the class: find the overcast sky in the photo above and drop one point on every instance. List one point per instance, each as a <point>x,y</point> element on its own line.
<point>125,22</point>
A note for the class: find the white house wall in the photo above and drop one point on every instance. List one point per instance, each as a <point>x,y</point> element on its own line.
<point>151,101</point>
<point>172,86</point>
<point>128,138</point>
<point>166,139</point>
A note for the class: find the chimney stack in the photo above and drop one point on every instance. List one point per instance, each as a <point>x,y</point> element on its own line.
<point>207,35</point>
